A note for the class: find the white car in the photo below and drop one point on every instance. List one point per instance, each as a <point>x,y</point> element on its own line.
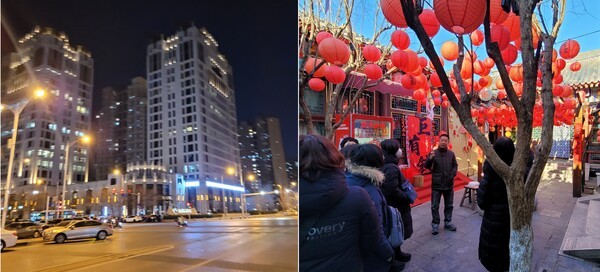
<point>133,219</point>
<point>9,239</point>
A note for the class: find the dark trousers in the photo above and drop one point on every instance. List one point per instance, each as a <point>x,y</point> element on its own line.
<point>435,205</point>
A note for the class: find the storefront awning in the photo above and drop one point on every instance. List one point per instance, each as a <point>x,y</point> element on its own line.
<point>357,80</point>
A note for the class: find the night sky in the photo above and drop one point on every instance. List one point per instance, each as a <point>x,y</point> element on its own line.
<point>258,39</point>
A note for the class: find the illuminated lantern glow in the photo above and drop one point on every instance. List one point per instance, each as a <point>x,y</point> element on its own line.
<point>460,16</point>
<point>430,22</point>
<point>569,49</point>
<point>489,63</point>
<point>310,65</point>
<point>500,35</point>
<point>510,54</point>
<point>371,53</point>
<point>516,73</point>
<point>323,35</point>
<point>316,84</point>
<point>334,51</point>
<point>335,74</point>
<point>408,81</point>
<point>450,51</point>
<point>575,66</point>
<point>512,24</point>
<point>373,71</point>
<point>477,37</point>
<point>392,11</point>
<point>497,14</point>
<point>400,39</point>
<point>434,79</point>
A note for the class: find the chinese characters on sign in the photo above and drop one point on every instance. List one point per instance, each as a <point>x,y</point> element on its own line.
<point>420,137</point>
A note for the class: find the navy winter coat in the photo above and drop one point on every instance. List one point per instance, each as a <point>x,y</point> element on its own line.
<point>393,193</point>
<point>347,229</point>
<point>443,168</point>
<point>370,179</point>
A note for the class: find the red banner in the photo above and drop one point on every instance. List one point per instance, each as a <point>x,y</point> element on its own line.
<point>419,141</point>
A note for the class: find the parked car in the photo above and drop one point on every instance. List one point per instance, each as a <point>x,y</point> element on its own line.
<point>133,219</point>
<point>26,229</point>
<point>77,229</point>
<point>152,218</point>
<point>53,222</point>
<point>9,239</point>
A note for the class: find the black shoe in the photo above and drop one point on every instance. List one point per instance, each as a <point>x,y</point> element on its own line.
<point>403,257</point>
<point>397,266</point>
<point>435,230</point>
<point>450,226</point>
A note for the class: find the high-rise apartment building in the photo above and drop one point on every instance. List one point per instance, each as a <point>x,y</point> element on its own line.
<point>137,102</point>
<point>192,123</point>
<point>263,155</point>
<point>45,59</point>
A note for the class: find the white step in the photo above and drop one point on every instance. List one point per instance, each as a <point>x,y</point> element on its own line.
<point>583,247</point>
<point>592,227</point>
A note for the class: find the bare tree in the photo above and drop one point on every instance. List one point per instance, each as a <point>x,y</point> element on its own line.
<point>521,190</point>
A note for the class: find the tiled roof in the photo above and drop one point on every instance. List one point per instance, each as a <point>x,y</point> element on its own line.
<point>589,75</point>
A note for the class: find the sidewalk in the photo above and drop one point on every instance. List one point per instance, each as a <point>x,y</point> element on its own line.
<point>457,251</point>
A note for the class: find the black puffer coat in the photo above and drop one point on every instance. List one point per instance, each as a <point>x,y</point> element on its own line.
<point>347,229</point>
<point>495,227</point>
<point>393,193</point>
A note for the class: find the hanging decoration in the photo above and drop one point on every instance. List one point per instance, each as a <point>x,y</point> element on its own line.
<point>310,65</point>
<point>316,84</point>
<point>460,16</point>
<point>371,53</point>
<point>430,22</point>
<point>335,74</point>
<point>334,51</point>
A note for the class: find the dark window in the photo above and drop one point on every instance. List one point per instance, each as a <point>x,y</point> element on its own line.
<point>113,181</point>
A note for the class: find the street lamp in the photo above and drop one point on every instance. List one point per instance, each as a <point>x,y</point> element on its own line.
<point>67,171</point>
<point>16,108</point>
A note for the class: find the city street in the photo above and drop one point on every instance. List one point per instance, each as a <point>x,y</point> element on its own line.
<point>255,244</point>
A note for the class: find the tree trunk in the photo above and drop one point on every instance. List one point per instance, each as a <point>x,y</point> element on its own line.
<point>521,234</point>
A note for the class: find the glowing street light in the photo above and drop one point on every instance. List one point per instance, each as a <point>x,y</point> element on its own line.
<point>67,171</point>
<point>16,108</point>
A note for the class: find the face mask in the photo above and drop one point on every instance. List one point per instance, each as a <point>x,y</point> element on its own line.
<point>399,153</point>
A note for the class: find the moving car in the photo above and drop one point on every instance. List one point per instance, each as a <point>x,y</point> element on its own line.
<point>152,218</point>
<point>25,229</point>
<point>133,219</point>
<point>77,229</point>
<point>53,222</point>
<point>9,239</point>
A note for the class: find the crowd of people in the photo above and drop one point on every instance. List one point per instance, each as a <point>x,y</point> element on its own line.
<point>344,194</point>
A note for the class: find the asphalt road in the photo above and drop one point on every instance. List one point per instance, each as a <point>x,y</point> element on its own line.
<point>255,244</point>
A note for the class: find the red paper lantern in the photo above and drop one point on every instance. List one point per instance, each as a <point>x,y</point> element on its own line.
<point>409,81</point>
<point>419,95</point>
<point>561,64</point>
<point>569,49</point>
<point>323,35</point>
<point>497,14</point>
<point>450,51</point>
<point>400,39</point>
<point>373,71</point>
<point>335,74</point>
<point>437,101</point>
<point>501,94</point>
<point>567,92</point>
<point>430,22</point>
<point>392,11</point>
<point>558,79</point>
<point>445,104</point>
<point>477,37</point>
<point>405,60</point>
<point>311,63</point>
<point>510,54</point>
<point>489,63</point>
<point>423,62</point>
<point>575,66</point>
<point>434,79</point>
<point>334,51</point>
<point>436,93</point>
<point>316,84</point>
<point>460,16</point>
<point>371,53</point>
<point>483,82</point>
<point>557,90</point>
<point>500,34</point>
<point>512,24</point>
<point>499,84</point>
<point>516,73</point>
<point>479,67</point>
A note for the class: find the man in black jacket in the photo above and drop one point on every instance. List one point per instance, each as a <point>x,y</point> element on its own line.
<point>443,166</point>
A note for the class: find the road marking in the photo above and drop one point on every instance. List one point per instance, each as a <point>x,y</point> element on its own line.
<point>108,258</point>
<point>219,257</point>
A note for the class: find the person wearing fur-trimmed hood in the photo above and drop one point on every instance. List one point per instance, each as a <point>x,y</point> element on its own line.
<point>363,171</point>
